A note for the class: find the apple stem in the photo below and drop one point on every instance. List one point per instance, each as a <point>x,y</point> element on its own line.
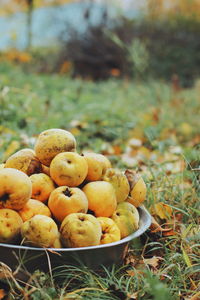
<point>4,197</point>
<point>67,192</point>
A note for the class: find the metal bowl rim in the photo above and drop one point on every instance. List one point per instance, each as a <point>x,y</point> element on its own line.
<point>127,239</point>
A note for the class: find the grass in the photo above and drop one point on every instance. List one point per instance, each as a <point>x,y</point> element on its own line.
<point>105,117</point>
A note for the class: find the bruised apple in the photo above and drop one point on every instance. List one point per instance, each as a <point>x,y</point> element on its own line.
<point>110,230</point>
<point>120,183</point>
<point>138,188</point>
<point>101,198</point>
<point>80,230</point>
<point>40,231</point>
<point>24,160</point>
<point>68,168</point>
<point>42,186</point>
<point>34,207</point>
<point>51,142</point>
<point>10,224</point>
<point>65,200</point>
<point>126,217</point>
<point>15,188</point>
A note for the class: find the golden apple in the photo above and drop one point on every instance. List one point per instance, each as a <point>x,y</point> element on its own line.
<point>80,230</point>
<point>51,142</point>
<point>97,165</point>
<point>138,188</point>
<point>15,188</point>
<point>120,183</point>
<point>40,231</point>
<point>65,200</point>
<point>10,224</point>
<point>101,198</point>
<point>68,168</point>
<point>42,186</point>
<point>110,231</point>
<point>126,217</point>
<point>24,160</point>
<point>34,207</point>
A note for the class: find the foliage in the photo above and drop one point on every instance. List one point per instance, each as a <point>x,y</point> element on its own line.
<point>159,47</point>
<point>151,127</point>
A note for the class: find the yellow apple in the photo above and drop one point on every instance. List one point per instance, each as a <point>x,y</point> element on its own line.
<point>51,142</point>
<point>126,217</point>
<point>80,230</point>
<point>101,198</point>
<point>42,186</point>
<point>68,168</point>
<point>24,160</point>
<point>33,207</point>
<point>40,231</point>
<point>10,224</point>
<point>138,188</point>
<point>120,183</point>
<point>15,188</point>
<point>65,200</point>
<point>110,230</point>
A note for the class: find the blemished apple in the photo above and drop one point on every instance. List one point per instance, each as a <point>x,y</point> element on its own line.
<point>126,217</point>
<point>52,142</point>
<point>65,200</point>
<point>10,224</point>
<point>68,168</point>
<point>80,230</point>
<point>15,188</point>
<point>24,160</point>
<point>120,183</point>
<point>40,231</point>
<point>110,231</point>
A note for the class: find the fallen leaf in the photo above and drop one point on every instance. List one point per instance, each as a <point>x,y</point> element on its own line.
<point>153,261</point>
<point>163,211</point>
<point>169,233</point>
<point>155,227</point>
<point>2,294</point>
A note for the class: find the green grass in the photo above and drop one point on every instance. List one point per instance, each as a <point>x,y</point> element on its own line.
<point>103,116</point>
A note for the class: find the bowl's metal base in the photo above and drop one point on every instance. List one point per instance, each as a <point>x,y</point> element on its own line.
<point>32,259</point>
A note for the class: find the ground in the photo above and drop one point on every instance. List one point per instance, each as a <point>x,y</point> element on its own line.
<point>150,126</point>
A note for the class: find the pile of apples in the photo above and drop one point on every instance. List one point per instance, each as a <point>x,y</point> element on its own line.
<point>54,197</point>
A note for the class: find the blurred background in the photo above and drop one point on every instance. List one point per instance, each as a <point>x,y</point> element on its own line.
<point>98,38</point>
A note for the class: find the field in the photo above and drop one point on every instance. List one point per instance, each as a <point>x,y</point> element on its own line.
<point>152,127</point>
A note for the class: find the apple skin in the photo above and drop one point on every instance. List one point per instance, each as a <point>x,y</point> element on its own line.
<point>120,183</point>
<point>24,160</point>
<point>110,231</point>
<point>40,231</point>
<point>126,217</point>
<point>10,224</point>
<point>42,186</point>
<point>15,188</point>
<point>101,198</point>
<point>65,200</point>
<point>97,165</point>
<point>68,168</point>
<point>52,142</point>
<point>80,230</point>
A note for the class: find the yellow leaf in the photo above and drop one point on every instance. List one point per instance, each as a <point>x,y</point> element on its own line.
<point>153,261</point>
<point>163,211</point>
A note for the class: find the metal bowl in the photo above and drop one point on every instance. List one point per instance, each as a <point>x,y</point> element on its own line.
<point>32,258</point>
